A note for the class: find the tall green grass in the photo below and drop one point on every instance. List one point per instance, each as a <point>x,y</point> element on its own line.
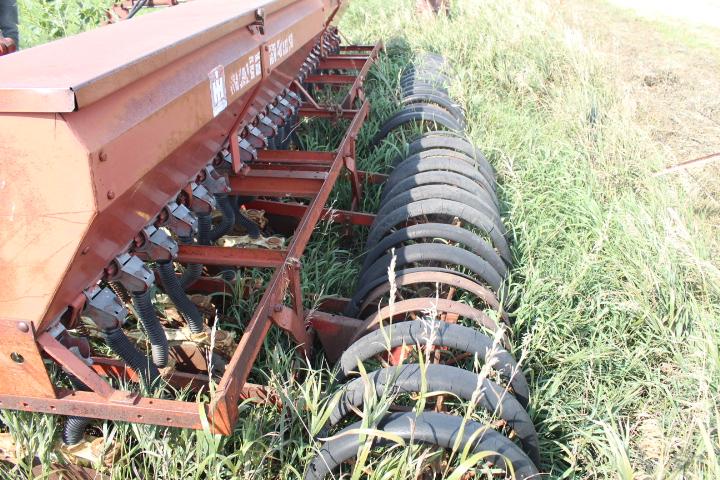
<point>44,20</point>
<point>615,294</point>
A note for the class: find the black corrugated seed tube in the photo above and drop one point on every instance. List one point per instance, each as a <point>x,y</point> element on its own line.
<point>228,217</point>
<point>177,294</point>
<point>194,270</point>
<point>147,315</point>
<point>121,345</point>
<point>250,227</point>
<point>74,428</point>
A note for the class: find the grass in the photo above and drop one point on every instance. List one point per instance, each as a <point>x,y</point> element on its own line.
<point>615,290</point>
<point>43,20</point>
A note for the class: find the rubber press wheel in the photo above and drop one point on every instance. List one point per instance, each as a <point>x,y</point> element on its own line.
<point>432,140</point>
<point>481,165</point>
<point>450,336</point>
<point>434,254</point>
<point>435,97</point>
<point>423,282</point>
<point>426,161</point>
<point>437,177</point>
<point>427,77</point>
<point>459,383</point>
<point>439,431</point>
<point>380,286</point>
<point>427,232</point>
<point>445,192</point>
<point>417,113</point>
<point>433,209</point>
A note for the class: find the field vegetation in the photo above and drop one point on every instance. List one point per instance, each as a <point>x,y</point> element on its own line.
<point>615,292</point>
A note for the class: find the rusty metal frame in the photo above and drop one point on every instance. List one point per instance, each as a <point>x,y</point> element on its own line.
<point>328,214</point>
<point>223,413</point>
<point>298,174</point>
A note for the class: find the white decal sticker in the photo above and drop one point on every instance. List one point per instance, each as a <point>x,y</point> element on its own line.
<point>280,48</point>
<point>246,73</point>
<point>218,95</point>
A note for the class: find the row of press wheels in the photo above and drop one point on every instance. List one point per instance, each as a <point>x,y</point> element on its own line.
<point>434,345</point>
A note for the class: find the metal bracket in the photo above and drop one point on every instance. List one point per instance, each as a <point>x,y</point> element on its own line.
<point>104,308</point>
<point>180,220</point>
<point>266,125</point>
<point>131,273</point>
<point>286,318</point>
<point>156,244</point>
<point>213,181</point>
<point>258,26</point>
<point>255,137</point>
<point>202,200</point>
<point>24,372</point>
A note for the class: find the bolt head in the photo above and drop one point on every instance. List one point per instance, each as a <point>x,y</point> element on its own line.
<point>103,156</point>
<point>110,194</point>
<point>23,327</point>
<point>278,308</point>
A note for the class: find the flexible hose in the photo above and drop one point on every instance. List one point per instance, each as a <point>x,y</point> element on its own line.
<point>228,217</point>
<point>228,275</point>
<point>190,275</point>
<point>250,227</point>
<point>146,313</point>
<point>194,270</point>
<point>123,348</point>
<point>172,286</point>
<point>74,428</point>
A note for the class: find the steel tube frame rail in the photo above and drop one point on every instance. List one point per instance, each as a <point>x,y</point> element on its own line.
<point>106,402</point>
<point>223,410</point>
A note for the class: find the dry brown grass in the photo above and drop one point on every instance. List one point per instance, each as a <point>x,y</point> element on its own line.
<point>669,78</point>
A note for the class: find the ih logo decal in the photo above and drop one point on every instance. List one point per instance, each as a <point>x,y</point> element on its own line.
<point>218,95</point>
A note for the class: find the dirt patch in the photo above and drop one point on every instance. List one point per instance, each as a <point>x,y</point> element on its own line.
<point>674,87</point>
